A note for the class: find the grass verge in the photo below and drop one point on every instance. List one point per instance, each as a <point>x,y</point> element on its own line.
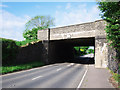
<point>9,69</point>
<point>115,78</point>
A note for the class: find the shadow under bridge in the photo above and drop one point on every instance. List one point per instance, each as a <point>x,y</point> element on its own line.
<point>63,50</point>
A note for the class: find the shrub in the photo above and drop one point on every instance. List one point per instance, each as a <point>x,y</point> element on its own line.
<point>81,50</point>
<point>89,51</point>
<point>25,42</point>
<point>9,51</point>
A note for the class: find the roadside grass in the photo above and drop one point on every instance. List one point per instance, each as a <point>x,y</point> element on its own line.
<point>9,69</point>
<point>116,76</point>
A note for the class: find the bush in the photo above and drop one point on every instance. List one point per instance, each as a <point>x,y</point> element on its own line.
<point>25,42</point>
<point>89,51</point>
<point>9,51</point>
<point>79,51</point>
<point>116,76</point>
<point>110,12</point>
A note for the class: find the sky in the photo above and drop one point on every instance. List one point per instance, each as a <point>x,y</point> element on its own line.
<point>14,15</point>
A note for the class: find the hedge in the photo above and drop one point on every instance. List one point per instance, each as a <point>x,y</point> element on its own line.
<point>25,42</point>
<point>9,51</point>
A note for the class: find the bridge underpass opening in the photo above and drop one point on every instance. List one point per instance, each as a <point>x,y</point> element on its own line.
<point>63,50</point>
<point>84,54</point>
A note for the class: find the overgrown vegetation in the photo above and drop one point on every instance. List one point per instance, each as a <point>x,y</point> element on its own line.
<point>116,76</point>
<point>79,51</point>
<point>89,51</point>
<point>9,51</point>
<point>9,69</point>
<point>25,42</point>
<point>111,14</point>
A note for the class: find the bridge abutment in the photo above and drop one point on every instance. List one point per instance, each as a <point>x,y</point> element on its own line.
<point>101,53</point>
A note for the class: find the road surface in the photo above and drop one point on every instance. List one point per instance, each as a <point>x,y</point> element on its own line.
<point>62,75</point>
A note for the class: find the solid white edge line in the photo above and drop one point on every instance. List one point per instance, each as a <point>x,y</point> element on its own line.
<point>82,79</point>
<point>27,70</point>
<point>37,77</point>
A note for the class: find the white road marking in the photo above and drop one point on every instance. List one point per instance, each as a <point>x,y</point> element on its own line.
<point>59,69</point>
<point>82,79</point>
<point>37,77</point>
<point>70,64</point>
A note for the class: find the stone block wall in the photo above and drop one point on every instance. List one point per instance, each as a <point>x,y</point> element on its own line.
<point>90,29</point>
<point>112,61</point>
<point>30,53</point>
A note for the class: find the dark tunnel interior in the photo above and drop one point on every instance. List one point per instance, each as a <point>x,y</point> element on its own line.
<point>63,50</point>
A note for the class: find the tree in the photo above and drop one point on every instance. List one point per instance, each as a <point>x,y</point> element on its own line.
<point>111,14</point>
<point>32,34</point>
<point>81,50</point>
<point>89,51</point>
<point>35,24</point>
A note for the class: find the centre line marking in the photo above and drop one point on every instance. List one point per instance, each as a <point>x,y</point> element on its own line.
<point>82,79</point>
<point>37,77</point>
<point>59,69</point>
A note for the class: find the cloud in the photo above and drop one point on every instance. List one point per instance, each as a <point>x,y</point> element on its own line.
<point>1,5</point>
<point>58,7</point>
<point>12,26</point>
<point>82,5</point>
<point>77,15</point>
<point>68,6</point>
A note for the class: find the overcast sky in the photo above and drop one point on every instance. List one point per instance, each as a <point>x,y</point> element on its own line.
<point>16,14</point>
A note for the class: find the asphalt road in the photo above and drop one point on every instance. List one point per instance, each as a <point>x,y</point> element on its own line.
<point>62,75</point>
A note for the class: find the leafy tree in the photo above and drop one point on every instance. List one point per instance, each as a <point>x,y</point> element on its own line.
<point>81,50</point>
<point>32,34</point>
<point>35,24</point>
<point>111,14</point>
<point>89,51</point>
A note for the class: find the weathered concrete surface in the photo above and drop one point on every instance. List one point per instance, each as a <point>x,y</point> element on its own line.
<point>92,29</point>
<point>101,53</point>
<point>83,32</point>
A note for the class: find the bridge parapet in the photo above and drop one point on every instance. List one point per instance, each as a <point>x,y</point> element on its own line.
<point>90,29</point>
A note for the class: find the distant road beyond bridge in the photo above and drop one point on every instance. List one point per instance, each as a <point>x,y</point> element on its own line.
<point>60,41</point>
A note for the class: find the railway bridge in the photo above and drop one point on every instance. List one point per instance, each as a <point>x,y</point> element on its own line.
<point>59,41</point>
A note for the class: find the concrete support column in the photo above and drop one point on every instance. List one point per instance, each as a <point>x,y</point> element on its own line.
<point>101,53</point>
